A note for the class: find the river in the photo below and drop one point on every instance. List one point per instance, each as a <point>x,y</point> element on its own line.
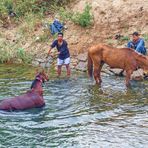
<point>77,114</point>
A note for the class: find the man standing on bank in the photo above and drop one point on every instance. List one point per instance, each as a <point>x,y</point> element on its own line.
<point>63,54</point>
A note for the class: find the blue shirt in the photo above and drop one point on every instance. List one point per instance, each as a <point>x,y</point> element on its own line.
<point>63,49</point>
<point>139,46</point>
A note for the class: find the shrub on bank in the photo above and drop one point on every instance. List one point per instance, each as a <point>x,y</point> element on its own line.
<point>9,55</point>
<point>83,19</point>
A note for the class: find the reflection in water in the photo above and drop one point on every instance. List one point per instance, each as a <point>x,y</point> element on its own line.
<point>78,114</point>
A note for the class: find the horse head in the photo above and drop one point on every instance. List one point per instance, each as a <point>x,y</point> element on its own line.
<point>40,78</point>
<point>143,62</point>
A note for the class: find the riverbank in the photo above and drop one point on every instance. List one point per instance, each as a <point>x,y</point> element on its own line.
<point>27,40</point>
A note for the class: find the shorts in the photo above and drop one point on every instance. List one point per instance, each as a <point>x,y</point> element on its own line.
<point>63,62</point>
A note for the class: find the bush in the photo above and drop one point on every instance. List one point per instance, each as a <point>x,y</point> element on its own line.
<point>9,54</point>
<point>145,37</point>
<point>125,38</point>
<point>23,7</point>
<point>84,19</point>
<point>5,56</point>
<point>21,54</point>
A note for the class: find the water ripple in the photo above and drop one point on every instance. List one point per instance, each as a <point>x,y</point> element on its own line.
<point>78,114</point>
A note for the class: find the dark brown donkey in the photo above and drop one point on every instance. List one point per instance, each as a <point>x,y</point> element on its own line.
<point>31,99</point>
<point>124,58</point>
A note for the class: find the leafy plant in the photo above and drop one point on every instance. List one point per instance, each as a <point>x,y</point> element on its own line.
<point>26,58</point>
<point>125,38</point>
<point>145,37</point>
<point>65,15</point>
<point>84,19</point>
<point>43,37</point>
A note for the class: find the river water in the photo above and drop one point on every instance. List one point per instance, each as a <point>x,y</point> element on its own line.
<point>77,114</point>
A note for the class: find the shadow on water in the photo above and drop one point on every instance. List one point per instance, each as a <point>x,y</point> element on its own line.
<point>78,114</point>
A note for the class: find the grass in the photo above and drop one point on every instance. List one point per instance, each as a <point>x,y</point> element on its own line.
<point>83,19</point>
<point>11,53</point>
<point>125,38</point>
<point>145,36</point>
<point>30,14</point>
<point>17,71</point>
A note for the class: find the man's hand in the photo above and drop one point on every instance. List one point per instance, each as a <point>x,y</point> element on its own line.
<point>48,53</point>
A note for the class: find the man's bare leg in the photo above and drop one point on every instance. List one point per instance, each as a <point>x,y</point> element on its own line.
<point>59,70</point>
<point>68,70</point>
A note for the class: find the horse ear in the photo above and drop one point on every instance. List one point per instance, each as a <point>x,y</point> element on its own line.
<point>37,71</point>
<point>43,71</point>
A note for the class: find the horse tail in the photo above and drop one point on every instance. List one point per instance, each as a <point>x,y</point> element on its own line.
<point>90,66</point>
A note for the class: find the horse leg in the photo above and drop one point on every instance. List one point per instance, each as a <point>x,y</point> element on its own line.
<point>96,72</point>
<point>99,74</point>
<point>128,77</point>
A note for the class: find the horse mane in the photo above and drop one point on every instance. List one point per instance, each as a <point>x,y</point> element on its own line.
<point>34,83</point>
<point>133,52</point>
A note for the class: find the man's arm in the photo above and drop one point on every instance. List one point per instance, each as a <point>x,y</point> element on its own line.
<point>130,45</point>
<point>52,46</point>
<point>140,45</point>
<point>49,51</point>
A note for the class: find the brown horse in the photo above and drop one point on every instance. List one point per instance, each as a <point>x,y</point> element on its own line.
<point>31,99</point>
<point>124,58</point>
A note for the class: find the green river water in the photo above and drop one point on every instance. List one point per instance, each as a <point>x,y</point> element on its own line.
<point>77,113</point>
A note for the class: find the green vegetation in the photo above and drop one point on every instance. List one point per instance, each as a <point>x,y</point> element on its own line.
<point>125,38</point>
<point>83,19</point>
<point>21,54</point>
<point>24,7</point>
<point>28,17</point>
<point>145,36</point>
<point>17,71</point>
<point>13,54</point>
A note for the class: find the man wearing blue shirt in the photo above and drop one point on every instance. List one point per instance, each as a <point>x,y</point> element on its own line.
<point>137,43</point>
<point>63,53</point>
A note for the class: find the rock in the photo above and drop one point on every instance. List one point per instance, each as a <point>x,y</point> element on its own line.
<point>47,65</point>
<point>82,57</point>
<point>116,71</point>
<point>138,74</point>
<point>106,69</point>
<point>35,63</point>
<point>40,60</point>
<point>42,65</point>
<point>74,62</point>
<point>82,66</point>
